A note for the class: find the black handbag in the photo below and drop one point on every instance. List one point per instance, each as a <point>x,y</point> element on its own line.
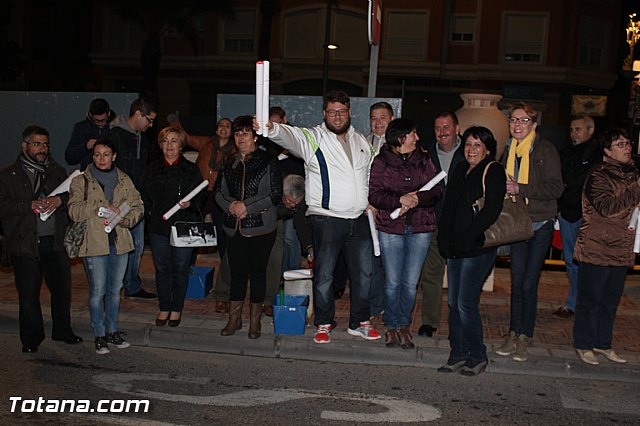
<point>513,224</point>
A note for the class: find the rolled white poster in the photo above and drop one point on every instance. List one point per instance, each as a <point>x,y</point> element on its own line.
<point>62,188</point>
<point>429,185</point>
<point>374,233</point>
<point>636,240</point>
<point>106,213</point>
<point>188,197</point>
<point>259,94</point>
<point>633,223</point>
<point>111,224</point>
<point>265,99</point>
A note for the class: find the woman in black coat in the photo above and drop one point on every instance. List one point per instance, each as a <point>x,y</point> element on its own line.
<point>461,242</point>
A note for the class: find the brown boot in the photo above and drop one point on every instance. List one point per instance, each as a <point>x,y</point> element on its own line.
<point>235,318</point>
<point>222,306</point>
<point>254,317</point>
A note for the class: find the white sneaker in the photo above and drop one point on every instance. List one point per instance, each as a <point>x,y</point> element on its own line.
<point>365,331</point>
<point>323,334</point>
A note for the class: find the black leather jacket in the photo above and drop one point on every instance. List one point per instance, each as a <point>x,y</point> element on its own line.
<point>257,182</point>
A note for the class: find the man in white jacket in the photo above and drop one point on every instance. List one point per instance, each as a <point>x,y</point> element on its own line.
<point>337,160</point>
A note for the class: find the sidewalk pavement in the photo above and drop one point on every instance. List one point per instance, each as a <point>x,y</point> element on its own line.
<point>551,354</point>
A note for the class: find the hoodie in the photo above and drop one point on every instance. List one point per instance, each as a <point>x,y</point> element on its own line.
<point>132,149</point>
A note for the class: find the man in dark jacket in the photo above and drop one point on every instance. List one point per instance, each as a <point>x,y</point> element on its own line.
<point>446,151</point>
<point>577,160</point>
<point>36,247</point>
<point>128,137</point>
<point>85,133</point>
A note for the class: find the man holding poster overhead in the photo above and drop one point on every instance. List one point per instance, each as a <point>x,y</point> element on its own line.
<point>337,160</point>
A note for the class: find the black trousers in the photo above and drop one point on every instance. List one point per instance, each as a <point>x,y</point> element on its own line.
<point>248,258</point>
<point>29,271</point>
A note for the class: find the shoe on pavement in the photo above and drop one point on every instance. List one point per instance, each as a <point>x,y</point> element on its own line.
<point>563,312</point>
<point>587,356</point>
<point>611,355</point>
<point>116,339</point>
<point>365,331</point>
<point>474,367</point>
<point>70,340</point>
<point>521,353</point>
<point>268,310</point>
<point>323,334</point>
<point>391,338</point>
<point>508,347</point>
<point>222,307</point>
<point>406,340</point>
<point>142,294</point>
<point>101,345</point>
<point>452,365</point>
<point>426,330</point>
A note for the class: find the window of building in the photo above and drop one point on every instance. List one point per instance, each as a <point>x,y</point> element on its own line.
<point>239,32</point>
<point>199,23</point>
<point>463,29</point>
<point>405,35</point>
<point>524,38</point>
<point>593,40</point>
<point>120,35</point>
<point>348,28</point>
<point>301,34</point>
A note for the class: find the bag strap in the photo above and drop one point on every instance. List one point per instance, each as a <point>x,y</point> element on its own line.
<point>86,186</point>
<point>484,174</point>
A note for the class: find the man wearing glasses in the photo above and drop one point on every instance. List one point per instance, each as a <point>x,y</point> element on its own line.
<point>337,160</point>
<point>86,132</point>
<point>35,246</point>
<point>127,135</point>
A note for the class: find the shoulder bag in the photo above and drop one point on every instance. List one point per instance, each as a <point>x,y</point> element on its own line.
<point>74,236</point>
<point>513,224</point>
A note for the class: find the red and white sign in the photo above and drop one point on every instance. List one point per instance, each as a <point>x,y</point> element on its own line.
<point>375,21</point>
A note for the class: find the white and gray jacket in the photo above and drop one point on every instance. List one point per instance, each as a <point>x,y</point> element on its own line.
<point>333,185</point>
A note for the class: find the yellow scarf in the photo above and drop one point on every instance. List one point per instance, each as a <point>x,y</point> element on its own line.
<point>521,150</point>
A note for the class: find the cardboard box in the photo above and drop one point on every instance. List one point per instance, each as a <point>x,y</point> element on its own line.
<point>200,282</point>
<point>290,318</point>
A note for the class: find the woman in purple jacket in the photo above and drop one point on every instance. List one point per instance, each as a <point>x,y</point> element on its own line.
<point>397,173</point>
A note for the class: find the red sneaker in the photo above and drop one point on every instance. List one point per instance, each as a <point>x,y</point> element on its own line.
<point>323,334</point>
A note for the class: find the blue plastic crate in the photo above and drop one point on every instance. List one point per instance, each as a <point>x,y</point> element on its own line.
<point>290,318</point>
<point>200,282</point>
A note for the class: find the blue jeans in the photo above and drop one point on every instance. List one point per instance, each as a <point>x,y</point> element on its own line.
<point>599,292</point>
<point>527,258</point>
<point>376,292</point>
<point>331,235</point>
<point>466,277</point>
<point>402,257</point>
<point>569,233</point>
<point>172,272</point>
<point>292,249</point>
<point>105,275</point>
<point>132,278</point>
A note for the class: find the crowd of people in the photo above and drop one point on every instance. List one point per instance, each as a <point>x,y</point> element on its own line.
<point>309,192</point>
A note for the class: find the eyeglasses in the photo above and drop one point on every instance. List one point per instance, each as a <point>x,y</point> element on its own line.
<point>39,144</point>
<point>150,120</point>
<point>99,120</point>
<point>333,112</point>
<point>622,144</point>
<point>521,120</point>
<point>243,133</point>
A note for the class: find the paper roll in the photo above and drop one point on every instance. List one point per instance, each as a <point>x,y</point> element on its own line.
<point>374,233</point>
<point>429,185</point>
<point>188,197</point>
<point>60,189</point>
<point>111,224</point>
<point>259,94</point>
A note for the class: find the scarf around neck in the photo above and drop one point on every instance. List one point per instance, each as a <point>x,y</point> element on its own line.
<point>108,180</point>
<point>521,150</point>
<point>35,168</point>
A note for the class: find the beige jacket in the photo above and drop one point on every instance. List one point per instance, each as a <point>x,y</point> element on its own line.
<point>96,241</point>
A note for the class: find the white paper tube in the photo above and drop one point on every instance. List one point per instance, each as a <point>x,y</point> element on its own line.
<point>259,94</point>
<point>265,99</point>
<point>189,196</point>
<point>636,241</point>
<point>282,157</point>
<point>374,233</point>
<point>62,188</point>
<point>124,209</point>
<point>106,213</point>
<point>634,219</point>
<point>429,185</point>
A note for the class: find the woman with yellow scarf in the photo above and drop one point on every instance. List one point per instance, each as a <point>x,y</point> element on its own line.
<point>533,166</point>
